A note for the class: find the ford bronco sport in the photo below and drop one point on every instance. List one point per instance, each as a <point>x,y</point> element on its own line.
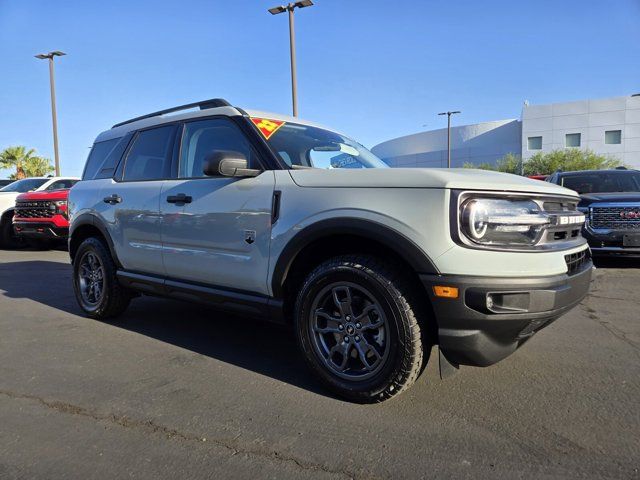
<point>270,215</point>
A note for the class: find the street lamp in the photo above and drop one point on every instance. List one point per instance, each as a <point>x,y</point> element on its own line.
<point>52,84</point>
<point>448,114</point>
<point>292,44</point>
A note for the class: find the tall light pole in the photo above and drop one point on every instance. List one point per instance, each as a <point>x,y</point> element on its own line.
<point>52,84</point>
<point>290,7</point>
<point>448,114</point>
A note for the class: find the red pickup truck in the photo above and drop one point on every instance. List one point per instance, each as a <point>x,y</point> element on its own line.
<point>41,218</point>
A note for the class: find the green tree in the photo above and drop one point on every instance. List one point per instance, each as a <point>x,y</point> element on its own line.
<point>38,167</point>
<point>25,162</point>
<point>567,160</point>
<point>510,163</point>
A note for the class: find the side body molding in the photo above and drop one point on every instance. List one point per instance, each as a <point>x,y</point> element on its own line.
<point>401,245</point>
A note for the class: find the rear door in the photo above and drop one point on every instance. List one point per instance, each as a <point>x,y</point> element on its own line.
<point>131,200</point>
<point>220,235</point>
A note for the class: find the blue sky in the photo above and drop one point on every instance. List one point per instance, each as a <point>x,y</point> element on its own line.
<point>374,69</point>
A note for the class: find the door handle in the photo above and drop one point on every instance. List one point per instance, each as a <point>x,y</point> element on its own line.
<point>179,199</point>
<point>112,199</point>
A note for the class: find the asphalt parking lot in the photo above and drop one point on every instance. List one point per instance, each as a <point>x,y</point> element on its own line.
<point>174,390</point>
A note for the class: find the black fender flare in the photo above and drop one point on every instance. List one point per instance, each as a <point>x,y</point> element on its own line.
<point>94,221</point>
<point>394,240</point>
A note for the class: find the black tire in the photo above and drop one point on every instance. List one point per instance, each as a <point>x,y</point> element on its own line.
<point>8,238</point>
<point>113,299</point>
<point>366,284</point>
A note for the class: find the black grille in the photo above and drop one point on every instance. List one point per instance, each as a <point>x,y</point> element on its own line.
<point>38,209</point>
<point>616,218</point>
<point>559,206</point>
<point>576,261</point>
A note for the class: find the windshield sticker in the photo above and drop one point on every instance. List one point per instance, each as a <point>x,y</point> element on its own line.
<point>267,127</point>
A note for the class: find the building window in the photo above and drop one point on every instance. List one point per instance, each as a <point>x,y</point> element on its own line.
<point>613,137</point>
<point>572,140</point>
<point>534,143</point>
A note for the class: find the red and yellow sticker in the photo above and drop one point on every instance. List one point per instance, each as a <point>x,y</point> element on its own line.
<point>267,126</point>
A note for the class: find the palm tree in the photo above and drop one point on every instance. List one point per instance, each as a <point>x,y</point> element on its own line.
<point>37,167</point>
<point>26,162</point>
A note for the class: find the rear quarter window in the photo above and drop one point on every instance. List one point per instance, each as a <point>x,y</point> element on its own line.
<point>104,158</point>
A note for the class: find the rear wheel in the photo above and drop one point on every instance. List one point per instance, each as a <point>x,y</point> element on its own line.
<point>96,286</point>
<point>357,327</point>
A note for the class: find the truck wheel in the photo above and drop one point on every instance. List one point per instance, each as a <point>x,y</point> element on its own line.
<point>95,283</point>
<point>356,325</point>
<point>8,238</point>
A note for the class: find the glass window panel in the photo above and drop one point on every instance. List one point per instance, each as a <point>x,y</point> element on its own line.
<point>613,137</point>
<point>572,140</point>
<point>534,143</point>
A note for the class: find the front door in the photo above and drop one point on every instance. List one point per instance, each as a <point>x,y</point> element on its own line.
<point>216,230</point>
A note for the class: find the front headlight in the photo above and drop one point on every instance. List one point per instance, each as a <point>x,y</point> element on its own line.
<point>502,221</point>
<point>60,207</point>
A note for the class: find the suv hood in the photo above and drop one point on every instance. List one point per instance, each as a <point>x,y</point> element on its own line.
<point>589,198</point>
<point>455,178</point>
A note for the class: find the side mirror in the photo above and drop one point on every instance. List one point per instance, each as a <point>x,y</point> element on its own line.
<point>227,163</point>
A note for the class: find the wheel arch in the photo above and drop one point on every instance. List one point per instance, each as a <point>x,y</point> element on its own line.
<point>332,237</point>
<point>85,226</point>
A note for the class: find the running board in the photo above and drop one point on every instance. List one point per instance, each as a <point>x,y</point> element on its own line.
<point>234,301</point>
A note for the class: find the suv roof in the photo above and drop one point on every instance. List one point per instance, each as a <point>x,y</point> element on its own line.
<point>206,108</point>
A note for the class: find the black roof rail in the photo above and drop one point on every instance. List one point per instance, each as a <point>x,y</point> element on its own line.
<point>621,167</point>
<point>203,105</point>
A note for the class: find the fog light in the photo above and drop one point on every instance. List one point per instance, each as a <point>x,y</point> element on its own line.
<point>445,292</point>
<point>490,301</point>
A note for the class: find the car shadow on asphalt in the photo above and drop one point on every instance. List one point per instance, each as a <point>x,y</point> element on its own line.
<point>246,342</point>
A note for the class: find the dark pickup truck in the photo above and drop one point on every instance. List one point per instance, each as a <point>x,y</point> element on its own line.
<point>610,199</point>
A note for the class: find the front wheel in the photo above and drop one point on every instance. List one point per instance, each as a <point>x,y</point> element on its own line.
<point>8,239</point>
<point>357,327</point>
<point>95,283</point>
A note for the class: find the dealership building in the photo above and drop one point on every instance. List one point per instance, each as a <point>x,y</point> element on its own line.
<point>609,126</point>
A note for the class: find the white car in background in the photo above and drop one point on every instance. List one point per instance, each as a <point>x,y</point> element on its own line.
<point>9,193</point>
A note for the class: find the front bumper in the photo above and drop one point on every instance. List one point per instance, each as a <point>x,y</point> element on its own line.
<point>472,333</point>
<point>610,242</point>
<point>43,230</point>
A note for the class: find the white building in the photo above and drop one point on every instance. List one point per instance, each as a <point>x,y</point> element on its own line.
<point>609,126</point>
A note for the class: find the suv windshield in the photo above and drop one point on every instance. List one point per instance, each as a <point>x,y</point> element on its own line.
<point>306,146</point>
<point>603,182</point>
<point>24,185</point>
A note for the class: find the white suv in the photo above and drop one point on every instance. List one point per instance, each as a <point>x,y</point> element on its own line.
<point>9,193</point>
<point>271,215</point>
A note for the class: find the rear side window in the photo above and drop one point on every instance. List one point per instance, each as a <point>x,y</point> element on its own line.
<point>149,156</point>
<point>97,157</point>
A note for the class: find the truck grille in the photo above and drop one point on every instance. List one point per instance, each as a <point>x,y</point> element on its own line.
<point>616,218</point>
<point>576,261</point>
<point>38,209</point>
